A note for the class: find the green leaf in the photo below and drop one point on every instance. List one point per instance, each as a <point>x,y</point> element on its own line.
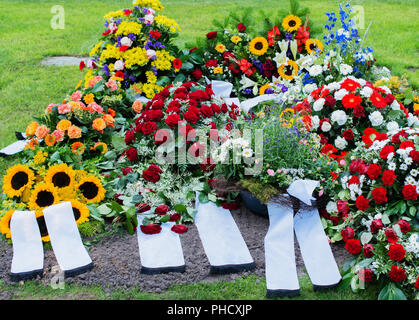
<point>346,281</point>
<point>98,87</point>
<point>391,292</point>
<point>187,66</point>
<point>179,78</point>
<point>203,198</point>
<point>412,211</point>
<point>163,81</point>
<point>180,208</point>
<point>118,142</point>
<point>366,237</point>
<point>165,218</point>
<point>348,264</point>
<point>104,209</point>
<point>212,197</point>
<point>385,219</point>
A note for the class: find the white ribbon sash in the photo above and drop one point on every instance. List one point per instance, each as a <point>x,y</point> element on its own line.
<point>221,238</point>
<point>13,148</point>
<point>162,252</point>
<point>28,252</point>
<point>65,239</point>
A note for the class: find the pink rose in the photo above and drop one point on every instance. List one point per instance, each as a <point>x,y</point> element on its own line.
<point>76,96</point>
<point>59,135</point>
<point>64,108</point>
<point>270,172</point>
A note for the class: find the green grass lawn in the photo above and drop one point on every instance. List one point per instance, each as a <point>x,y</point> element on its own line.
<point>249,288</point>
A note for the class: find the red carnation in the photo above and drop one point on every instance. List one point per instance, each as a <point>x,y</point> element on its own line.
<point>404,226</point>
<point>407,144</point>
<point>368,250</point>
<point>211,35</point>
<point>158,104</point>
<point>161,210</point>
<point>374,170</point>
<point>359,111</point>
<point>126,171</point>
<point>330,101</point>
<point>179,228</point>
<point>353,180</point>
<point>362,203</point>
<point>376,225</point>
<point>132,154</point>
<point>348,134</point>
<point>353,246</point>
<point>148,128</point>
<point>415,156</point>
<point>391,235</point>
<point>197,74</point>
<point>409,192</point>
<point>241,27</point>
<point>388,177</point>
<point>155,168</point>
<point>175,217</point>
<point>396,252</point>
<point>386,151</point>
<point>379,195</point>
<point>366,275</point>
<point>172,120</point>
<point>342,207</point>
<point>151,228</point>
<point>347,233</point>
<point>129,137</point>
<point>389,98</point>
<point>397,274</point>
<point>127,12</point>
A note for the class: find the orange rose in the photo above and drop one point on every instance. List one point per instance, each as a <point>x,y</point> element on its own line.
<point>101,146</point>
<point>31,128</point>
<point>78,148</point>
<point>99,124</point>
<point>41,131</point>
<point>63,125</point>
<point>109,120</point>
<point>49,140</point>
<point>74,132</point>
<point>89,98</point>
<point>137,106</point>
<point>31,144</point>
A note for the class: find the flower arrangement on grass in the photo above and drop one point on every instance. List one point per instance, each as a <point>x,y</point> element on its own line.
<point>136,48</point>
<point>41,182</point>
<point>378,199</point>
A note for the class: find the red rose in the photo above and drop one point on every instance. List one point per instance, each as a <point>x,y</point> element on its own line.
<point>366,275</point>
<point>148,128</point>
<point>132,154</point>
<point>417,283</point>
<point>379,195</point>
<point>211,63</point>
<point>197,74</point>
<point>187,132</point>
<point>353,246</point>
<point>374,170</point>
<point>342,207</point>
<point>126,171</point>
<point>179,228</point>
<point>232,205</point>
<point>172,120</point>
<point>199,95</point>
<point>388,177</point>
<point>211,35</point>
<point>151,175</point>
<point>409,192</point>
<point>368,250</point>
<point>376,225</point>
<point>129,137</point>
<point>151,228</point>
<point>397,274</point>
<point>154,115</point>
<point>161,210</point>
<point>391,235</point>
<point>161,136</point>
<point>191,116</point>
<point>347,233</point>
<point>142,207</point>
<point>329,101</point>
<point>207,111</point>
<point>386,151</point>
<point>175,217</point>
<point>404,226</point>
<point>396,252</point>
<point>241,27</point>
<point>348,134</point>
<point>155,168</point>
<point>362,203</point>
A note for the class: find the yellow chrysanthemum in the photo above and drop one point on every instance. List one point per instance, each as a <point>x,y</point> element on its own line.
<point>163,60</point>
<point>127,27</point>
<point>81,211</point>
<point>135,56</point>
<point>288,70</point>
<point>5,224</point>
<point>314,46</point>
<point>291,23</point>
<point>42,225</point>
<point>235,39</point>
<point>151,77</point>
<point>91,189</point>
<point>258,46</point>
<point>218,70</point>
<point>96,48</point>
<point>167,22</point>
<point>154,4</point>
<point>60,176</point>
<point>114,14</point>
<point>40,157</point>
<point>44,195</point>
<point>220,48</point>
<point>111,52</point>
<point>16,179</point>
<point>89,98</point>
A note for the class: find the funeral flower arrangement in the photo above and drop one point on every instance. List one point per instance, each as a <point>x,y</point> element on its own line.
<point>378,200</point>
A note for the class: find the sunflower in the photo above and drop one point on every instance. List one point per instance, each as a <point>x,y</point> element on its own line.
<point>263,89</point>
<point>91,188</point>
<point>60,175</point>
<point>287,114</point>
<point>291,23</point>
<point>16,179</point>
<point>258,46</point>
<point>100,146</point>
<point>42,225</point>
<point>5,224</point>
<point>81,211</point>
<point>289,70</point>
<point>44,195</point>
<point>314,46</point>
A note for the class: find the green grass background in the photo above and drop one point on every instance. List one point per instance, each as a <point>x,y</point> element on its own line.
<point>26,88</point>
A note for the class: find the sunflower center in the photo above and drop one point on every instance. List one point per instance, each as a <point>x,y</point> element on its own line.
<point>42,226</point>
<point>19,180</point>
<point>61,180</point>
<point>292,23</point>
<point>89,190</point>
<point>288,70</point>
<point>44,199</point>
<point>313,47</point>
<point>76,213</point>
<point>258,45</point>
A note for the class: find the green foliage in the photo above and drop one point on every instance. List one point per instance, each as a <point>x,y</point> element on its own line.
<point>264,192</point>
<point>90,228</point>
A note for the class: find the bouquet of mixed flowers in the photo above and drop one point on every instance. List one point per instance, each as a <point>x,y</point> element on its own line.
<point>378,200</point>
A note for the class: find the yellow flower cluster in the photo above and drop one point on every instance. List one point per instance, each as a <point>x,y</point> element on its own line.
<point>95,48</point>
<point>163,60</point>
<point>114,14</point>
<point>154,4</point>
<point>111,52</point>
<point>151,78</point>
<point>127,27</point>
<point>170,23</point>
<point>87,77</point>
<point>135,56</point>
<point>40,157</point>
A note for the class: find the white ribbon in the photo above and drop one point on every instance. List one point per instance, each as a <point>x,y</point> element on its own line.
<point>221,238</point>
<point>65,239</point>
<point>223,90</point>
<point>247,105</point>
<point>303,190</point>
<point>162,252</point>
<point>13,148</point>
<point>28,252</point>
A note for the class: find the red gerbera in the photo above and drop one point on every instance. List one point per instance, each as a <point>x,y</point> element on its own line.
<point>350,85</point>
<point>377,100</point>
<point>177,64</point>
<point>351,100</point>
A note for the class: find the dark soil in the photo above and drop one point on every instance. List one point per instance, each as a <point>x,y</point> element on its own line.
<point>117,263</point>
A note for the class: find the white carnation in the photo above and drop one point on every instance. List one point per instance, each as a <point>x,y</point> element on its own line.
<point>125,41</point>
<point>339,116</point>
<point>376,118</point>
<point>366,92</point>
<point>315,70</point>
<point>309,88</point>
<point>326,126</point>
<point>392,126</point>
<point>340,94</point>
<point>345,69</point>
<point>315,120</point>
<point>318,105</point>
<point>341,143</point>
